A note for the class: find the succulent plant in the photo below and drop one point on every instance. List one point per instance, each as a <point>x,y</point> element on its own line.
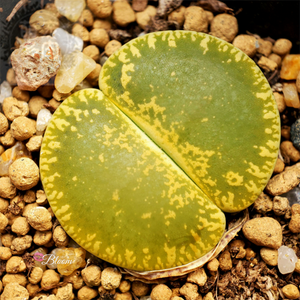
<point>186,127</point>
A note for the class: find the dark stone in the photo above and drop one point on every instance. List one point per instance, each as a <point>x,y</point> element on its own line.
<point>295,134</point>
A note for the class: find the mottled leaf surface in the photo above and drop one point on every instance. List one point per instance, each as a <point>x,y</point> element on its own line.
<point>119,195</point>
<point>206,104</point>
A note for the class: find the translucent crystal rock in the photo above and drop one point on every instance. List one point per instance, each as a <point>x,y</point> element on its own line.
<point>69,259</point>
<point>291,96</point>
<point>287,259</point>
<point>293,195</point>
<point>51,258</point>
<point>82,85</point>
<point>67,42</point>
<point>74,68</point>
<point>5,91</point>
<point>43,118</point>
<point>10,155</point>
<point>38,256</point>
<point>71,9</point>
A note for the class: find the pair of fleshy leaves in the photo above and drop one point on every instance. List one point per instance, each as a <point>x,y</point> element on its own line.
<point>187,123</point>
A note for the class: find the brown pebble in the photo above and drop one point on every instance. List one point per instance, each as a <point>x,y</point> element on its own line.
<point>125,286</point>
<point>13,108</point>
<point>20,226</point>
<point>36,103</point>
<point>290,291</point>
<point>195,19</point>
<point>288,151</point>
<point>161,292</point>
<point>15,265</point>
<point>282,46</point>
<point>91,275</point>
<point>276,58</point>
<point>20,95</point>
<point>264,232</point>
<point>267,64</point>
<point>111,47</point>
<point>81,31</point>
<point>280,205</point>
<point>24,173</point>
<point>49,279</point>
<point>238,247</point>
<point>264,47</point>
<point>86,18</point>
<point>23,128</point>
<point>3,123</point>
<point>123,14</point>
<point>225,261</point>
<point>294,224</point>
<point>44,21</point>
<point>139,5</point>
<point>279,101</point>
<point>3,221</point>
<point>279,166</point>
<point>123,296</point>
<point>7,189</point>
<point>46,91</point>
<point>190,291</point>
<point>20,244</point>
<point>7,139</point>
<point>213,265</point>
<point>110,278</point>
<point>140,289</point>
<point>246,43</point>
<point>263,204</point>
<point>34,143</point>
<point>269,256</point>
<point>144,18</point>
<point>99,37</point>
<point>40,218</point>
<point>100,8</point>
<point>14,290</point>
<point>286,132</point>
<point>298,82</point>
<point>42,238</point>
<point>199,277</point>
<point>86,293</point>
<point>11,77</point>
<point>60,237</point>
<point>177,15</point>
<point>285,181</point>
<point>92,51</point>
<point>93,77</point>
<point>5,253</point>
<point>224,26</point>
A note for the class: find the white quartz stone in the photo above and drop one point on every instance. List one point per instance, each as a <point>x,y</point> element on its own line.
<point>43,118</point>
<point>5,91</point>
<point>67,42</point>
<point>287,259</point>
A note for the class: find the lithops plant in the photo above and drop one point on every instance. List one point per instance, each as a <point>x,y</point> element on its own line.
<point>186,127</point>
